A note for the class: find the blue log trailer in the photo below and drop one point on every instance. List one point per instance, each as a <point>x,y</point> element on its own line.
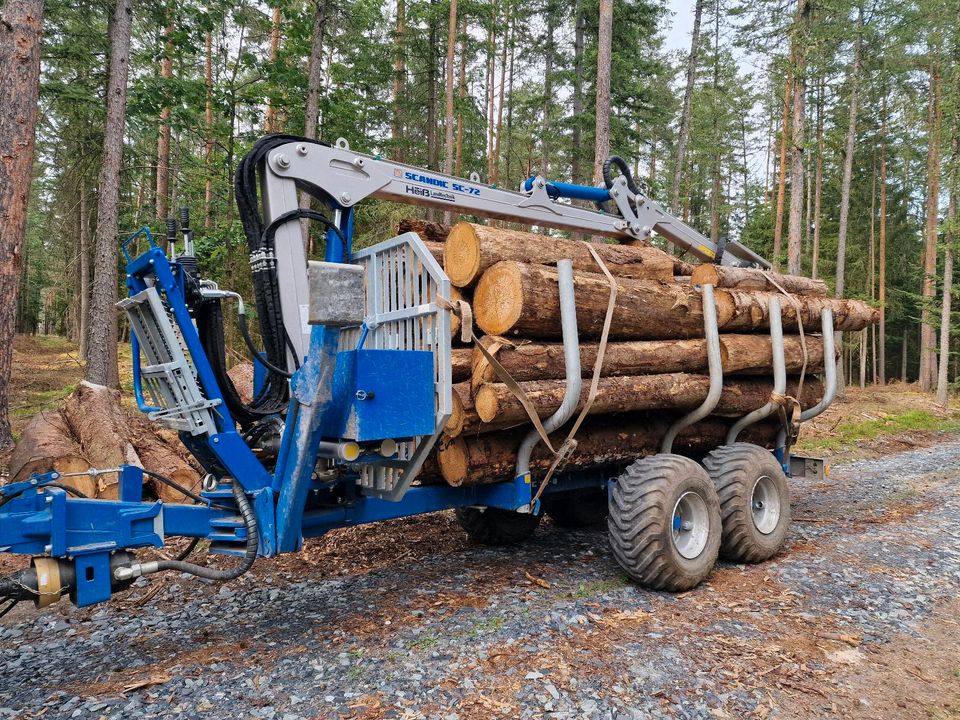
<point>356,388</point>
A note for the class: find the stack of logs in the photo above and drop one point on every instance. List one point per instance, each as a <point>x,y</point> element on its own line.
<point>655,366</point>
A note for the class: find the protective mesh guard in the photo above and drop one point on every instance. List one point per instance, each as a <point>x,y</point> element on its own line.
<point>403,282</point>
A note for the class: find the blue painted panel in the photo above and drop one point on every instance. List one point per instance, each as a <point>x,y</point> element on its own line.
<point>380,394</point>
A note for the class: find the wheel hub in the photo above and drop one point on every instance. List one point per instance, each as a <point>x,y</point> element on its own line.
<point>765,505</point>
<point>691,525</point>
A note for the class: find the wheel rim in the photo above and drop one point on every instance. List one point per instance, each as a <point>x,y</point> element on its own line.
<point>765,505</point>
<point>691,525</point>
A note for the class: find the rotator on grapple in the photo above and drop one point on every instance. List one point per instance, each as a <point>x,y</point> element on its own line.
<point>353,378</point>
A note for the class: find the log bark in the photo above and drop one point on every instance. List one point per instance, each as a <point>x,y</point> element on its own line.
<point>427,230</point>
<point>46,445</point>
<point>436,249</point>
<point>517,299</point>
<point>492,457</point>
<point>96,421</point>
<point>723,276</point>
<point>742,354</point>
<point>670,391</point>
<point>471,249</point>
<point>462,361</point>
<point>462,406</point>
<point>155,454</point>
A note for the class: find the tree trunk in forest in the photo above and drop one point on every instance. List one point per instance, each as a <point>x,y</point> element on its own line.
<point>208,149</point>
<point>903,359</point>
<point>818,185</point>
<point>449,119</point>
<point>433,149</point>
<point>740,354</point>
<point>576,136</point>
<point>683,136</point>
<point>399,81</point>
<point>782,177</point>
<point>943,381</point>
<point>84,270</point>
<point>524,300</point>
<point>728,276</point>
<point>311,112</point>
<point>882,290</point>
<point>715,191</point>
<point>472,249</point>
<point>507,41</point>
<point>270,124</point>
<point>602,127</point>
<point>798,137</point>
<point>850,145</point>
<point>101,367</point>
<point>490,95</point>
<point>496,403</point>
<point>548,52</point>
<point>21,27</point>
<point>489,458</point>
<point>463,95</point>
<point>163,140</point>
<point>928,346</point>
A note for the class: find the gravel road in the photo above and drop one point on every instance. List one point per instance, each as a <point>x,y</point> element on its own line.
<point>855,619</point>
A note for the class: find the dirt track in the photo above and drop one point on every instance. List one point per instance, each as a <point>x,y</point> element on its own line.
<point>857,619</point>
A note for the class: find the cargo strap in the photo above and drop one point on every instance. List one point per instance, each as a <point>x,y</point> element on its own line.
<point>463,310</point>
<point>570,443</point>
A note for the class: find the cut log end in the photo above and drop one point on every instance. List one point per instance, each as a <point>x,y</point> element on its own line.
<point>498,300</point>
<point>705,275</point>
<point>453,460</point>
<point>461,255</point>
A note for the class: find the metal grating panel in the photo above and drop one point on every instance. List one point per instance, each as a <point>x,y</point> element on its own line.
<point>169,377</point>
<point>403,281</point>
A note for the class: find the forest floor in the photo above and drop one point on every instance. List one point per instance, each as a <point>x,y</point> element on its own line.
<point>405,619</point>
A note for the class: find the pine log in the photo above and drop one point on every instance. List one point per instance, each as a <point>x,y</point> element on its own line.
<point>738,278</point>
<point>680,266</point>
<point>670,391</point>
<point>517,299</point>
<point>455,295</point>
<point>462,361</point>
<point>436,249</point>
<point>482,459</point>
<point>156,455</point>
<point>46,445</point>
<point>97,422</point>
<point>471,249</point>
<point>743,354</point>
<point>430,231</point>
<point>462,403</point>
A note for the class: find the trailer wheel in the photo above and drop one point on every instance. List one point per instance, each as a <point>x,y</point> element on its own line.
<point>754,501</point>
<point>577,508</point>
<point>494,526</point>
<point>665,522</point>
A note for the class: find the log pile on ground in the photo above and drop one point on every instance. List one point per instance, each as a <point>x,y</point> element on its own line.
<point>655,366</point>
<point>93,429</point>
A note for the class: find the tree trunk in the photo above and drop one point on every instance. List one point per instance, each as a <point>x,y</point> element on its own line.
<point>399,81</point>
<point>728,276</point>
<point>741,354</point>
<point>495,402</point>
<point>208,149</point>
<point>507,41</point>
<point>433,150</point>
<point>163,141</point>
<point>20,34</point>
<point>818,185</point>
<point>576,136</point>
<point>524,300</point>
<point>47,445</point>
<point>101,367</point>
<point>472,249</point>
<point>311,112</point>
<point>548,52</point>
<point>602,110</point>
<point>449,119</point>
<point>271,125</point>
<point>943,382</point>
<point>84,270</point>
<point>882,290</point>
<point>850,146</point>
<point>463,94</point>
<point>684,135</point>
<point>434,232</point>
<point>160,457</point>
<point>928,349</point>
<point>782,178</point>
<point>797,136</point>
<point>490,458</point>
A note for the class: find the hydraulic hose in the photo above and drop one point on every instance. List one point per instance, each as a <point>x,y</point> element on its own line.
<point>624,170</point>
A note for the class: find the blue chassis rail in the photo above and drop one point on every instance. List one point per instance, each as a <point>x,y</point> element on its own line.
<point>38,518</point>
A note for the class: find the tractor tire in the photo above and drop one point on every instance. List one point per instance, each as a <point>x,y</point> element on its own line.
<point>577,508</point>
<point>493,526</point>
<point>754,501</point>
<point>664,522</point>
